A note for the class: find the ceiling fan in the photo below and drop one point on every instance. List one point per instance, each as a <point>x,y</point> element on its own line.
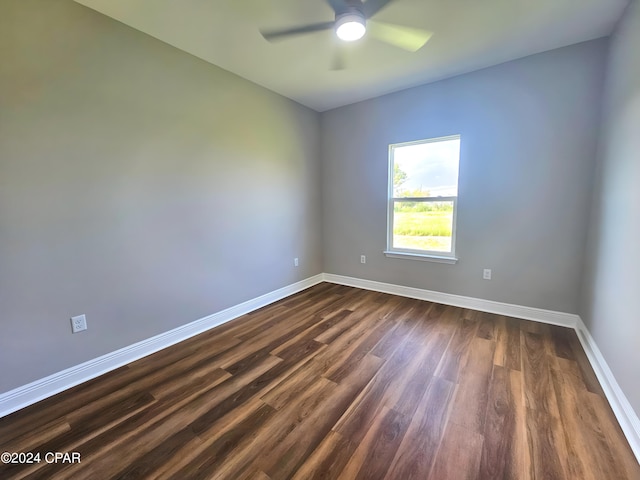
<point>352,21</point>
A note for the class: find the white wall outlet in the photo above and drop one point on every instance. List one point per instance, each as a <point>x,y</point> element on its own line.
<point>295,262</point>
<point>486,274</point>
<point>363,259</point>
<point>78,323</point>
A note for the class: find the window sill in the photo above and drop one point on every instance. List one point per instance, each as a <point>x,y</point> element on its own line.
<point>421,256</point>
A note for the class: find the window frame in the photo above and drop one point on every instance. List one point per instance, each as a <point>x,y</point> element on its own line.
<point>427,255</point>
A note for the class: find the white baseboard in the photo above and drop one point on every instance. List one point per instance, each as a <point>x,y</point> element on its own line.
<point>46,387</point>
<point>626,416</point>
<point>517,311</point>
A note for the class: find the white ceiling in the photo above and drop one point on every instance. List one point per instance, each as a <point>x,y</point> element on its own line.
<point>467,35</point>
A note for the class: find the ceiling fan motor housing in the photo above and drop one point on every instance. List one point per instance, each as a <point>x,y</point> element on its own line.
<point>351,25</point>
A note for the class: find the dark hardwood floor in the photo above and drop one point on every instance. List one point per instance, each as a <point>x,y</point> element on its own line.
<point>337,382</point>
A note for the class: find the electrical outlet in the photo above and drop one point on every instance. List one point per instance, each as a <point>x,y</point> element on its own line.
<point>363,259</point>
<point>78,323</point>
<point>295,262</point>
<point>486,274</point>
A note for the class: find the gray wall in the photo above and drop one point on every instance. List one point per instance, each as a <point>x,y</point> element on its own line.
<point>611,296</point>
<point>138,185</point>
<point>529,130</point>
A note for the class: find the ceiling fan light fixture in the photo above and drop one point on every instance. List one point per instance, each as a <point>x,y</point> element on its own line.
<point>350,27</point>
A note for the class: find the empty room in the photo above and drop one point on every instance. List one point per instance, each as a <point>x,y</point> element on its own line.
<point>320,239</point>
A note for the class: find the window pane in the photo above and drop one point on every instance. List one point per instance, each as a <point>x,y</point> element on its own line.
<point>426,169</point>
<point>423,225</point>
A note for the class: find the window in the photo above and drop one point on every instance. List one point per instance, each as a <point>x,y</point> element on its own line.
<point>423,196</point>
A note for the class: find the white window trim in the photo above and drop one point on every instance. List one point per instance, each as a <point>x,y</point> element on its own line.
<point>423,255</point>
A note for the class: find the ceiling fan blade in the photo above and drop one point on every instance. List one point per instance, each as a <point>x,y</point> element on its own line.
<point>407,38</point>
<point>338,6</point>
<point>371,7</point>
<point>272,35</point>
<point>337,62</point>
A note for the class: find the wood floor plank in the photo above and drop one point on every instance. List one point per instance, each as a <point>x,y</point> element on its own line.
<point>258,475</point>
<point>292,385</point>
<point>514,351</point>
<point>206,463</point>
<point>547,451</point>
<point>539,392</point>
<point>224,434</point>
<point>619,447</point>
<point>458,456</point>
<point>143,439</point>
<point>378,447</point>
<point>349,358</point>
<point>501,338</point>
<point>473,382</point>
<point>320,325</point>
<point>329,335</point>
<point>520,454</point>
<point>328,460</point>
<point>262,344</point>
<point>126,380</point>
<point>337,357</point>
<point>584,437</point>
<point>337,382</point>
<point>205,376</point>
<point>290,454</point>
<point>289,418</point>
<point>500,446</point>
<point>406,316</point>
<point>21,422</point>
<point>249,455</point>
<point>415,456</point>
<point>418,374</point>
<point>257,322</point>
<point>487,325</point>
<point>561,338</point>
<point>457,350</point>
<point>142,466</point>
<point>39,435</point>
<point>388,381</point>
<point>507,336</point>
<point>103,421</point>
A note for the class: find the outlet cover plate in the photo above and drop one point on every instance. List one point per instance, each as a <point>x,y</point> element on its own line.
<point>79,323</point>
